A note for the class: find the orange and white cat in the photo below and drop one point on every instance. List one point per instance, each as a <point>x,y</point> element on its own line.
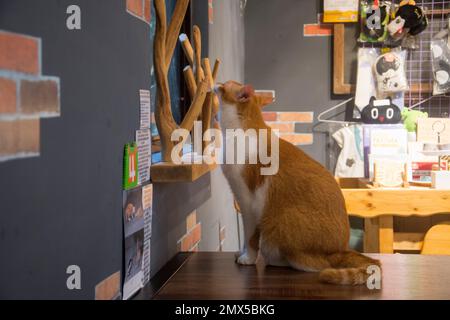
<point>296,217</point>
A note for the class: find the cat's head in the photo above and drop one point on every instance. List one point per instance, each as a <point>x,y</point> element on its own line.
<point>242,96</point>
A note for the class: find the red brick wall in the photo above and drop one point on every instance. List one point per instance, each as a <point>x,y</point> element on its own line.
<point>285,122</point>
<point>26,95</point>
<point>140,9</point>
<point>318,29</point>
<point>190,241</point>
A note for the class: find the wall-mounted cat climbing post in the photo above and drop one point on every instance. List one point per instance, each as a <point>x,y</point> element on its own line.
<point>199,78</point>
<point>211,107</point>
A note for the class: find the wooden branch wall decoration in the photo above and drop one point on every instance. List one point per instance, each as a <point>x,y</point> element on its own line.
<point>200,87</point>
<point>200,80</point>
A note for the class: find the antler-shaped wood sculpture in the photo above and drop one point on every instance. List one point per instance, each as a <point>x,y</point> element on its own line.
<point>200,85</point>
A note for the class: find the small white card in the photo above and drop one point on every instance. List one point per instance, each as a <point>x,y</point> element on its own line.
<point>144,96</point>
<point>144,143</point>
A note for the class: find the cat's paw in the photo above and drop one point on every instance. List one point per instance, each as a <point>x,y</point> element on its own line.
<point>246,259</point>
<point>238,254</point>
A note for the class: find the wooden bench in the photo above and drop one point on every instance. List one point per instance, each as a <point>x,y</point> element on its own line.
<point>378,206</point>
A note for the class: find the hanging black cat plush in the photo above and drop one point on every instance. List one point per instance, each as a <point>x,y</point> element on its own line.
<point>414,17</point>
<point>381,112</point>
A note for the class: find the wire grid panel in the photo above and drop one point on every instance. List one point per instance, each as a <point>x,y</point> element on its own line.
<point>419,67</point>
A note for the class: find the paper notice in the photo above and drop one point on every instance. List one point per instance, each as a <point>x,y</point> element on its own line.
<point>147,196</point>
<point>143,142</point>
<point>144,96</point>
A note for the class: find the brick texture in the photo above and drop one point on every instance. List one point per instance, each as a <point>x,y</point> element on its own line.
<point>39,96</point>
<point>19,53</point>
<point>298,138</point>
<point>8,96</point>
<point>136,7</point>
<point>282,127</point>
<point>210,11</point>
<point>140,8</point>
<point>23,83</point>
<point>286,123</point>
<point>318,30</point>
<point>191,239</point>
<point>269,116</point>
<point>191,221</point>
<point>305,117</point>
<point>147,10</point>
<point>19,136</point>
<point>109,288</point>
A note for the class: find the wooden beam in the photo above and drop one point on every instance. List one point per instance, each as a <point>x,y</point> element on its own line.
<point>408,241</point>
<point>370,203</point>
<point>386,234</point>
<point>371,235</point>
<point>339,85</point>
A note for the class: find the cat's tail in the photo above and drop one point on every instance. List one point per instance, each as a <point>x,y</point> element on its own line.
<point>348,268</point>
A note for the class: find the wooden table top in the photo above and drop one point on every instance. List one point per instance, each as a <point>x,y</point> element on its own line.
<point>215,275</point>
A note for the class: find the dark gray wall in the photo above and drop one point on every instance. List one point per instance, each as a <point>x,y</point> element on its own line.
<point>298,68</point>
<point>65,207</point>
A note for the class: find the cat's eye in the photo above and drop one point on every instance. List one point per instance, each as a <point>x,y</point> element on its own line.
<point>374,113</point>
<point>390,113</point>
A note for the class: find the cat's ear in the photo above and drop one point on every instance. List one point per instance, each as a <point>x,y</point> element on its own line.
<point>245,93</point>
<point>265,98</point>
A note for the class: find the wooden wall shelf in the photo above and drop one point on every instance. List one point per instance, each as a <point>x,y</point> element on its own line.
<point>170,172</point>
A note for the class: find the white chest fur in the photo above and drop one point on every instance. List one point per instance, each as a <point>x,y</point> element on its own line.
<point>229,118</point>
<point>251,203</point>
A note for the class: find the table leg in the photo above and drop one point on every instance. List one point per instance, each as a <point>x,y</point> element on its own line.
<point>386,234</point>
<point>371,235</point>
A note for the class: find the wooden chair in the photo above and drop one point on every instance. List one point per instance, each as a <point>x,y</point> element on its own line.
<point>437,240</point>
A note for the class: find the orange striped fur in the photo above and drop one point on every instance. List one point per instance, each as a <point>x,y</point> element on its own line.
<point>296,217</point>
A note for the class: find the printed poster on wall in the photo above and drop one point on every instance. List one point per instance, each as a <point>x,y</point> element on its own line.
<point>133,221</point>
<point>147,200</point>
<point>144,144</point>
<point>144,97</point>
<point>340,11</point>
<point>137,217</point>
<point>130,166</point>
